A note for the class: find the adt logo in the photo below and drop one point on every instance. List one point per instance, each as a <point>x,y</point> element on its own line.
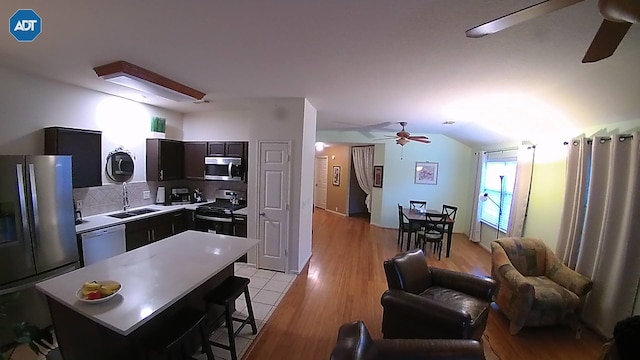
<point>25,25</point>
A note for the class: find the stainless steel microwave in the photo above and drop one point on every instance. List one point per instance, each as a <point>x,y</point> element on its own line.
<point>223,168</point>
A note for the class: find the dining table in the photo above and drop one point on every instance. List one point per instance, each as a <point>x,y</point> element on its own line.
<point>419,216</point>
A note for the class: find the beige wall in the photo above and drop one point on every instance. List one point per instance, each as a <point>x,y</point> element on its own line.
<point>338,196</point>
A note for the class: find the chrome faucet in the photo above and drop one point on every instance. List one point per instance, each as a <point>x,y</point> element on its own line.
<point>125,196</point>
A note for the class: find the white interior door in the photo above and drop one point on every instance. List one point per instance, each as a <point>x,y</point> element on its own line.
<point>320,190</point>
<point>273,205</point>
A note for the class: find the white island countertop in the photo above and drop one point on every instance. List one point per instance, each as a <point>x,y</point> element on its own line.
<point>153,277</point>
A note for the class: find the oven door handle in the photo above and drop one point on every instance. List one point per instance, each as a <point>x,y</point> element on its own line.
<point>212,218</point>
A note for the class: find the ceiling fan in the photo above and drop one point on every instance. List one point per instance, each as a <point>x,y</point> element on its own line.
<point>403,136</point>
<point>618,16</point>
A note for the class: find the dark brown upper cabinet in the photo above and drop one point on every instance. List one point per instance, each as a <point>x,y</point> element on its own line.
<point>229,148</point>
<point>165,160</point>
<point>215,148</point>
<point>194,154</point>
<point>234,149</point>
<point>85,148</point>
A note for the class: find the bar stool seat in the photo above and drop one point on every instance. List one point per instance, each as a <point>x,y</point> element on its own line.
<point>225,295</point>
<point>173,339</point>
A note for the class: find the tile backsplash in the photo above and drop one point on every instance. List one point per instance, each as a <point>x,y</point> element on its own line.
<point>107,198</point>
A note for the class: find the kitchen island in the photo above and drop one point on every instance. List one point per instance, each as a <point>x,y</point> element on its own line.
<point>157,280</point>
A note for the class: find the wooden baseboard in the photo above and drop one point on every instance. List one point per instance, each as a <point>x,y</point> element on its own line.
<point>335,212</point>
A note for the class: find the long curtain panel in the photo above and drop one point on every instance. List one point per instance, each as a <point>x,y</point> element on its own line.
<point>474,230</point>
<point>363,166</point>
<point>608,250</point>
<point>521,187</point>
<point>570,234</point>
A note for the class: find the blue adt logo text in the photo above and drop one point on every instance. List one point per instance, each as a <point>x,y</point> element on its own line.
<point>25,25</point>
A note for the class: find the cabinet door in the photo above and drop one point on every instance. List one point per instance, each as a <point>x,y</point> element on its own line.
<point>161,231</point>
<point>137,238</point>
<point>216,148</point>
<point>240,223</point>
<point>85,147</point>
<point>179,222</point>
<point>234,149</point>
<point>194,153</point>
<point>165,160</point>
<point>171,159</point>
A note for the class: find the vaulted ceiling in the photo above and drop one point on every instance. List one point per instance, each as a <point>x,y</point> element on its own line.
<point>358,62</point>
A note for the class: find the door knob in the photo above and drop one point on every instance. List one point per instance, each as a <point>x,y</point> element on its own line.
<point>262,214</point>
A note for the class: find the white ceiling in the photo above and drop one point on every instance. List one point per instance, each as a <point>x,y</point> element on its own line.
<point>358,62</point>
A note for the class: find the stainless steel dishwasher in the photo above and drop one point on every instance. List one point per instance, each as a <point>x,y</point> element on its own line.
<point>102,244</point>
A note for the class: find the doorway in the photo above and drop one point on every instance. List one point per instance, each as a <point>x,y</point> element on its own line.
<point>320,188</point>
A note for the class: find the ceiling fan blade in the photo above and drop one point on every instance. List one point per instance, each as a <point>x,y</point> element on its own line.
<point>418,137</point>
<point>424,141</point>
<point>518,17</point>
<point>607,39</point>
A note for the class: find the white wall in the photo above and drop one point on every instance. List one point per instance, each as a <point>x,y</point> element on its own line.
<point>267,120</point>
<point>306,185</point>
<point>455,176</point>
<point>30,103</point>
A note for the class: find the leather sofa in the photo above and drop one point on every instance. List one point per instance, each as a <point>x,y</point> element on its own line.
<point>534,287</point>
<point>430,303</point>
<point>355,343</point>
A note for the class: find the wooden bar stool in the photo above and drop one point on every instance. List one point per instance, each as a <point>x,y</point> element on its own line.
<point>225,295</point>
<point>175,337</point>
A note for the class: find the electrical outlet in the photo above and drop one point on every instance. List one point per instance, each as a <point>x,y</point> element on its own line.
<point>146,195</point>
<point>78,204</point>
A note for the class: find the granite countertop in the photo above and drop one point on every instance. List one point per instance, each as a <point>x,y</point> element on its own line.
<point>100,221</point>
<point>150,280</point>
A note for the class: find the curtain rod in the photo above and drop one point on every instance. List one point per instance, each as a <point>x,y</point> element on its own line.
<point>603,139</point>
<point>362,145</point>
<point>501,150</point>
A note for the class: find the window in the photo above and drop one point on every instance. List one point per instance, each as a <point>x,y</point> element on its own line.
<point>490,212</point>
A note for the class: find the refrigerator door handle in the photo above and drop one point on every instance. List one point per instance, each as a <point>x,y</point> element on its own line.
<point>23,206</point>
<point>34,204</point>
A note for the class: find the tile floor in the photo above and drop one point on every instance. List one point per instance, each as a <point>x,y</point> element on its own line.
<point>266,288</point>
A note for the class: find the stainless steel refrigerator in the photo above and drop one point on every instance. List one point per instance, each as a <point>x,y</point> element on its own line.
<point>37,234</point>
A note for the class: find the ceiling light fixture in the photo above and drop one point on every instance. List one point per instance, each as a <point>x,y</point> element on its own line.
<point>133,76</point>
<point>320,146</point>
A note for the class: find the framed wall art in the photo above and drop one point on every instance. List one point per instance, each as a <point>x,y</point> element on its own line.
<point>335,180</point>
<point>377,176</point>
<point>426,173</point>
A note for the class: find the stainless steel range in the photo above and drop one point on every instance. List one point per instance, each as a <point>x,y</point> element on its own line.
<point>219,216</point>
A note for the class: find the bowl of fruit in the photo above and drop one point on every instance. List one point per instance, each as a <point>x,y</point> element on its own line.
<point>95,292</point>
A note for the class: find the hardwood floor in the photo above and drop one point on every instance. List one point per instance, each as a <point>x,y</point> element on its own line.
<point>345,279</point>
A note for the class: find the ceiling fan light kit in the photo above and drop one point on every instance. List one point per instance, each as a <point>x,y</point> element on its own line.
<point>136,77</point>
<point>618,16</point>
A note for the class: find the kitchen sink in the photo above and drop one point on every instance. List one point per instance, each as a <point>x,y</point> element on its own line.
<point>130,213</point>
<point>141,211</point>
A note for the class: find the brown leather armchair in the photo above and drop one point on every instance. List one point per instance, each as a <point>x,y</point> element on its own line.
<point>430,303</point>
<point>355,343</point>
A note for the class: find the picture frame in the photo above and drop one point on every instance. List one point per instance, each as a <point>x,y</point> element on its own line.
<point>335,179</point>
<point>378,173</point>
<point>426,173</point>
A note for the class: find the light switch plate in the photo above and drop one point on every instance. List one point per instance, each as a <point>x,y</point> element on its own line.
<point>146,195</point>
<point>78,204</point>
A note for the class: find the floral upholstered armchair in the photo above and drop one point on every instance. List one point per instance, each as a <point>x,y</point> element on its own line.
<point>534,287</point>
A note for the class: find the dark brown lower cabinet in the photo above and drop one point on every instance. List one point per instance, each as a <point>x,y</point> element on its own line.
<point>145,231</point>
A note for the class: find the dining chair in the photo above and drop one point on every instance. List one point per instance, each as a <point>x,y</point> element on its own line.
<point>432,232</point>
<point>450,211</point>
<point>417,205</point>
<point>405,226</point>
